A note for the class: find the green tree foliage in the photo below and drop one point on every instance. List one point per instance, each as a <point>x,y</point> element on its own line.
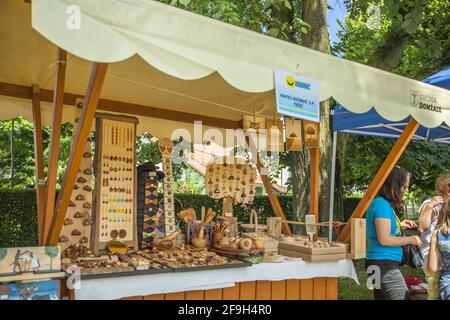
<point>23,153</point>
<point>277,18</point>
<point>419,29</point>
<point>24,174</point>
<point>425,160</point>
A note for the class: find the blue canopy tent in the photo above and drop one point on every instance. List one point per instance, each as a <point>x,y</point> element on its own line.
<point>440,79</point>
<point>372,124</point>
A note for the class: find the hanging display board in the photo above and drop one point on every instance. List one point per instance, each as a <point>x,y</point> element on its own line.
<point>297,96</point>
<point>165,146</point>
<point>115,185</point>
<point>149,226</point>
<point>77,224</point>
<point>237,180</point>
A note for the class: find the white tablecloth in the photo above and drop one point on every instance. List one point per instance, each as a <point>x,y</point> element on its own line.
<point>128,286</point>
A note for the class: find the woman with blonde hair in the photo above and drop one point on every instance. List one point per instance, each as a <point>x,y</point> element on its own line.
<point>428,220</point>
<point>439,257</point>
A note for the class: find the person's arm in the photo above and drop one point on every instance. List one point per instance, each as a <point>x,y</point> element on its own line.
<point>427,212</point>
<point>434,257</point>
<point>408,224</point>
<point>383,229</point>
<point>425,217</point>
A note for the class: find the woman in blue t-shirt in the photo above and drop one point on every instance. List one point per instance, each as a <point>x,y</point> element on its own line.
<point>384,241</point>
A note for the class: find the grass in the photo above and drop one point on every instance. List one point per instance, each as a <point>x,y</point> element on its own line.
<point>349,290</point>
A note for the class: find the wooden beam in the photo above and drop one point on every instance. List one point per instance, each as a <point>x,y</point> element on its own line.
<point>314,186</point>
<point>76,152</point>
<point>53,159</point>
<point>381,176</point>
<point>38,161</point>
<point>166,114</point>
<point>18,91</point>
<point>268,187</point>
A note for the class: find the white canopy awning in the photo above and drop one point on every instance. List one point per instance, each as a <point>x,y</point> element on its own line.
<point>172,59</point>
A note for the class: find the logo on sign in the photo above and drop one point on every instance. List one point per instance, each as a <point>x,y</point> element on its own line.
<point>414,98</point>
<point>292,83</point>
<point>424,101</point>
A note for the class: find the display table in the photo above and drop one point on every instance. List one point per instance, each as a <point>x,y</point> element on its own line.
<point>285,280</point>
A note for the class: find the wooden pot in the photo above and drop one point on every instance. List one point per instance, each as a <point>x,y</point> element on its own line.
<point>200,241</point>
<point>217,237</point>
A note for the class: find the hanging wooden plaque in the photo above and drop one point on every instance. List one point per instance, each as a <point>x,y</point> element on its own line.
<point>311,134</point>
<point>115,185</point>
<point>275,139</point>
<point>166,147</point>
<point>253,122</point>
<point>294,141</point>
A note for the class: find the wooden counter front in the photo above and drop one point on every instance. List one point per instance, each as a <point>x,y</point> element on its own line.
<point>306,289</point>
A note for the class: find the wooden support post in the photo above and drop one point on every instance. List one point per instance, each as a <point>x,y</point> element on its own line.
<point>381,176</point>
<point>39,161</point>
<point>268,187</point>
<point>58,102</point>
<point>78,145</point>
<point>314,187</point>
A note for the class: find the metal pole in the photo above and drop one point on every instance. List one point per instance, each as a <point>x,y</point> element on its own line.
<point>333,173</point>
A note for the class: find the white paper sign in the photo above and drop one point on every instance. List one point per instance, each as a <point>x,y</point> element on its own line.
<point>297,96</point>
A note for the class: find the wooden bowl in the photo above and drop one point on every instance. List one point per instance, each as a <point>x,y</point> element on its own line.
<point>270,257</point>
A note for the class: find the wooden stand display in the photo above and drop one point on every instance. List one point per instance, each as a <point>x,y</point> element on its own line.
<point>78,221</point>
<point>115,186</point>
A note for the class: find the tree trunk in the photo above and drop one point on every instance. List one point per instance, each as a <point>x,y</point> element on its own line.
<point>341,151</point>
<point>300,186</point>
<point>314,13</point>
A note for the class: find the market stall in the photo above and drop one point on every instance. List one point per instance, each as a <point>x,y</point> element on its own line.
<point>160,70</point>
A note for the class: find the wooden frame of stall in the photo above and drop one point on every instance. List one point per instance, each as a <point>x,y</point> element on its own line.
<point>51,213</point>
